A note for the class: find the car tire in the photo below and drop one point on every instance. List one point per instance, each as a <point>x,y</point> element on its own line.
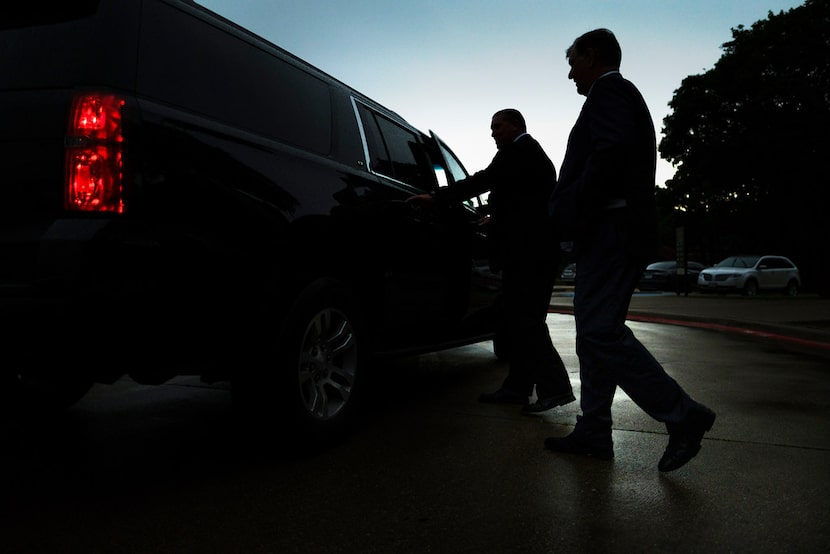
<point>792,288</point>
<point>311,385</point>
<point>751,287</point>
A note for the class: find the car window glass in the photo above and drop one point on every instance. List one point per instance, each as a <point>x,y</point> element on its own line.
<point>379,161</point>
<point>395,151</point>
<point>407,153</point>
<point>745,261</point>
<point>450,170</point>
<point>23,14</point>
<point>442,176</point>
<point>454,165</point>
<point>273,96</point>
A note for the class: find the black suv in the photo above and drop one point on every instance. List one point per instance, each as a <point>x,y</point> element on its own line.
<point>182,197</point>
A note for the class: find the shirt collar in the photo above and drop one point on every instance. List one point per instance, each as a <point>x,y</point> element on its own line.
<point>606,74</point>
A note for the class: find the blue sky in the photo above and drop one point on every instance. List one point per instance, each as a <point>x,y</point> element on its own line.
<point>448,65</point>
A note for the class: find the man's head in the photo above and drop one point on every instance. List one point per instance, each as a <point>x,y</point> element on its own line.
<point>506,125</point>
<point>591,55</point>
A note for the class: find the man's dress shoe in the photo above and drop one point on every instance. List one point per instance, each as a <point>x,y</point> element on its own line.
<point>684,442</point>
<point>545,404</point>
<point>503,396</point>
<point>577,444</point>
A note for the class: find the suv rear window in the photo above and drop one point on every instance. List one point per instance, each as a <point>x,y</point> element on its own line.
<point>199,67</point>
<point>31,14</point>
<point>777,263</point>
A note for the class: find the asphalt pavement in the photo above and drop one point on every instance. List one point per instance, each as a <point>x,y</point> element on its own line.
<point>167,469</point>
<point>770,449</point>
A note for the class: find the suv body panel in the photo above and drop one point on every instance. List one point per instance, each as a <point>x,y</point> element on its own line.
<point>247,175</point>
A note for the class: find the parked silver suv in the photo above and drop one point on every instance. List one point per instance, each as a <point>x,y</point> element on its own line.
<point>751,274</point>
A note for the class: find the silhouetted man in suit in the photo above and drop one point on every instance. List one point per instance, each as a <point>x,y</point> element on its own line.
<point>604,206</point>
<point>520,179</point>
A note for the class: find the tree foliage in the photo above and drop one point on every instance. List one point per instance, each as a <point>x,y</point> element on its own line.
<point>749,141</point>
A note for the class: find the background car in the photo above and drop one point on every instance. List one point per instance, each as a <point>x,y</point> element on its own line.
<point>664,276</point>
<point>751,274</point>
<point>568,274</point>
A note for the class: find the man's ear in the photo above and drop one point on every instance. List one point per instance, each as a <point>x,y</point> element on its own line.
<point>590,57</point>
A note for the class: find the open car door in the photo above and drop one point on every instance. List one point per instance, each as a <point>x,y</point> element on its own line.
<point>455,170</point>
<point>484,285</point>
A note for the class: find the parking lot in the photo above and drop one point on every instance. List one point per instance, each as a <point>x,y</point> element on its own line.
<point>168,469</point>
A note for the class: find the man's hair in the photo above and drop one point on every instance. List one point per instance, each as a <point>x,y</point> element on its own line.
<point>514,116</point>
<point>604,44</point>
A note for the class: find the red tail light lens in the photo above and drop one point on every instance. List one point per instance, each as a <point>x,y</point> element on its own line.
<point>94,178</point>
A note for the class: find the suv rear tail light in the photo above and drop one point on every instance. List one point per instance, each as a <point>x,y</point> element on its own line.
<point>94,148</point>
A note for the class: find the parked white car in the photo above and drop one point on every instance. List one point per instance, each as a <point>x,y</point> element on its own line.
<point>750,275</point>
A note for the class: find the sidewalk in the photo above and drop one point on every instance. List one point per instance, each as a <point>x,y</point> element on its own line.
<point>804,319</point>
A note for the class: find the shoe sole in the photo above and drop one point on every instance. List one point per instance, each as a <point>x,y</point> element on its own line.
<point>708,423</point>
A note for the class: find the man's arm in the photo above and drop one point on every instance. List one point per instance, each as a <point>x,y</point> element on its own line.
<point>474,185</point>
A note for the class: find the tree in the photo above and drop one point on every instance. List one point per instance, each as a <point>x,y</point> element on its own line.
<point>749,141</point>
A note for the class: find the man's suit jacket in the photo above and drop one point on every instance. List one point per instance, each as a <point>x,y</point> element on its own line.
<point>611,158</point>
<point>520,179</point>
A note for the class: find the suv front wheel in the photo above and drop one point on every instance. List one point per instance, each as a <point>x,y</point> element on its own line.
<point>751,287</point>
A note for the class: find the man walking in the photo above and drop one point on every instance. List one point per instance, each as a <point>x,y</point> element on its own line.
<point>604,206</point>
<point>520,179</point>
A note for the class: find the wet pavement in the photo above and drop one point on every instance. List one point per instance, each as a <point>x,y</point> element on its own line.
<point>770,447</point>
<point>166,469</point>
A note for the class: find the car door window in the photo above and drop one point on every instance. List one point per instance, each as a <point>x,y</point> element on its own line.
<point>395,151</point>
<point>453,170</point>
<point>377,155</point>
<point>409,159</point>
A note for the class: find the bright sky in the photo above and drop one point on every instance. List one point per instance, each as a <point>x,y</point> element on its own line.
<point>447,65</point>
